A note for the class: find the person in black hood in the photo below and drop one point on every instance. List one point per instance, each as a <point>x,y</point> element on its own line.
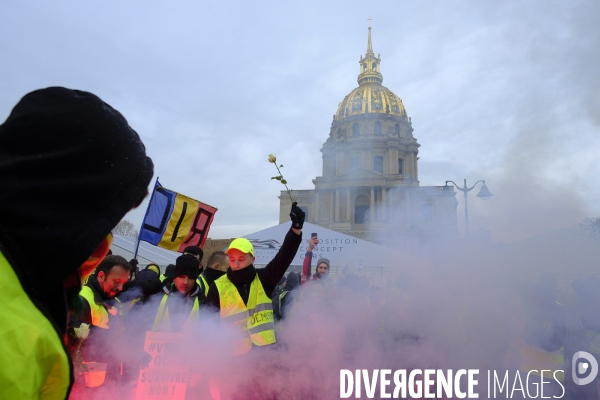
<point>245,289</point>
<point>70,169</point>
<point>146,284</point>
<point>287,297</point>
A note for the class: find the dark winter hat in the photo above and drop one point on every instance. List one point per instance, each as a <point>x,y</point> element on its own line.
<point>195,250</point>
<point>188,265</point>
<point>292,281</point>
<point>169,270</point>
<point>323,260</point>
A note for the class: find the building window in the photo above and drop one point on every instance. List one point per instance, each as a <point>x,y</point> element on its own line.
<point>378,128</point>
<point>374,66</point>
<point>362,212</point>
<point>397,129</point>
<point>354,163</point>
<point>378,164</point>
<point>400,166</point>
<point>355,130</point>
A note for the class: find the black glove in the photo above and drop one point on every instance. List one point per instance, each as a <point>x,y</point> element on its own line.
<point>134,263</point>
<point>297,216</point>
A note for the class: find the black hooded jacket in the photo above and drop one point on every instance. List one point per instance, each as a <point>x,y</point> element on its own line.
<point>70,169</point>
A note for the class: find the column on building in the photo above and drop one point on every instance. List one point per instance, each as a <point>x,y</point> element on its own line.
<point>348,215</point>
<point>389,162</point>
<point>317,207</point>
<point>413,163</point>
<point>331,210</point>
<point>337,205</point>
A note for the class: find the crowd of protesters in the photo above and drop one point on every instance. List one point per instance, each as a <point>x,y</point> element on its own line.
<point>69,304</point>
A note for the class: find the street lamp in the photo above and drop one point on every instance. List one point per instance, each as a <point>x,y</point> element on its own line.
<point>484,194</point>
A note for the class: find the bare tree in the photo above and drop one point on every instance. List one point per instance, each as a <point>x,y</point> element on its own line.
<point>125,228</point>
<point>590,226</point>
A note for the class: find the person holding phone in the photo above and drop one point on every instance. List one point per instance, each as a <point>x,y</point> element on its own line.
<point>306,266</point>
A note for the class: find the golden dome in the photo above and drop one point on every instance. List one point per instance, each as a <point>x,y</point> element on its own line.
<point>371,96</point>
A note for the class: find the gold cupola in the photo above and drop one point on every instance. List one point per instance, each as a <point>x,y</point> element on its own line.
<point>370,96</point>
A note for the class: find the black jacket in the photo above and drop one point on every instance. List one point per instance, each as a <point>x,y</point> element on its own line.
<point>70,169</point>
<point>211,275</point>
<point>146,284</point>
<point>269,276</point>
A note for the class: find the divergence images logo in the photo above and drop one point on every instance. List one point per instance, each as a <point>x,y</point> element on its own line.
<point>583,367</point>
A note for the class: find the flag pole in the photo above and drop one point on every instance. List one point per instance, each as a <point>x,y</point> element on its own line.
<point>137,246</point>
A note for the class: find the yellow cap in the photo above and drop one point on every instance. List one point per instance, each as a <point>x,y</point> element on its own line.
<point>242,245</point>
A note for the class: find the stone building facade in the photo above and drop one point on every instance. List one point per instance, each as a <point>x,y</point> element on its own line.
<point>369,186</point>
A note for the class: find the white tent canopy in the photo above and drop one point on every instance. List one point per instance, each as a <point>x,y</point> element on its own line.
<point>341,250</point>
<point>147,253</point>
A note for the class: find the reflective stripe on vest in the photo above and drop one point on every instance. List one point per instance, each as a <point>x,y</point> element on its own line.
<point>33,362</point>
<point>161,321</point>
<point>255,318</point>
<point>99,313</point>
<point>534,358</point>
<point>205,286</point>
<point>281,296</point>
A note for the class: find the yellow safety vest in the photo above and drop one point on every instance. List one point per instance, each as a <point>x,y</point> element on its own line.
<point>205,286</point>
<point>534,358</point>
<point>99,312</point>
<point>161,321</point>
<point>33,361</point>
<point>162,277</point>
<point>254,320</point>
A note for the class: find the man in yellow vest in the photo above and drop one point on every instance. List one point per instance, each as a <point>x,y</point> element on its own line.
<point>243,294</point>
<point>70,169</point>
<point>179,306</point>
<point>101,310</point>
<point>216,266</point>
<point>99,292</point>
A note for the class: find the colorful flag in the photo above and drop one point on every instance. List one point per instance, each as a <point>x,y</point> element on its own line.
<point>174,221</point>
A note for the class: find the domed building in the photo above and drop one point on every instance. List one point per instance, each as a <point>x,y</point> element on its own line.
<point>370,184</point>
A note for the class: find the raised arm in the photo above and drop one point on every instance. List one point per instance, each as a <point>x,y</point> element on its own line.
<point>306,266</point>
<point>273,272</point>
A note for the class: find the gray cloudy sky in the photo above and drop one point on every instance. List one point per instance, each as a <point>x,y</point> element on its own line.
<point>506,91</point>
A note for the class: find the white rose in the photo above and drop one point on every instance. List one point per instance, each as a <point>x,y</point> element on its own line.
<point>83,331</point>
